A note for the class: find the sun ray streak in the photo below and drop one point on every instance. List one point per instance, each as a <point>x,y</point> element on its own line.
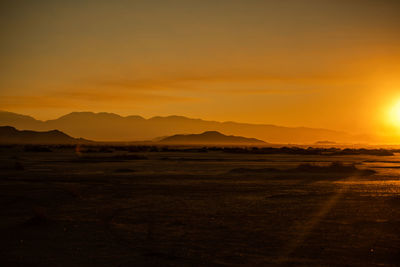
<point>303,230</point>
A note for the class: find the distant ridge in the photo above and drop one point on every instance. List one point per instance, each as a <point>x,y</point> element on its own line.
<point>112,127</point>
<point>325,143</point>
<point>210,137</point>
<point>10,135</point>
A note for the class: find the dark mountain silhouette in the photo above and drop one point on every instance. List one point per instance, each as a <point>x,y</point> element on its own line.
<point>10,135</point>
<point>112,127</point>
<point>210,137</point>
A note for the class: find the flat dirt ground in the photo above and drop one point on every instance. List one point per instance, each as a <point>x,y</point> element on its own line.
<point>118,208</point>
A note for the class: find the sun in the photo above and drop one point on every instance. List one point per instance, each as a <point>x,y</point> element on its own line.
<point>394,114</point>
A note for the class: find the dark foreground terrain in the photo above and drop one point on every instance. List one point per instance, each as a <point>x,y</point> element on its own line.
<point>62,206</point>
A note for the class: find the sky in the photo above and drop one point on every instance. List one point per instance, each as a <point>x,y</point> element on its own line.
<point>315,63</point>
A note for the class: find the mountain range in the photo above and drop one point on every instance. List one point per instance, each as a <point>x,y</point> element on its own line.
<point>112,127</point>
<point>10,135</point>
<point>210,138</point>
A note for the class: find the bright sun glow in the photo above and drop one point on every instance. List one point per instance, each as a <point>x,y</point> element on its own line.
<point>394,114</point>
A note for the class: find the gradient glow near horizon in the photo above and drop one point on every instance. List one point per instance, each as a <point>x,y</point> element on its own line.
<point>329,64</point>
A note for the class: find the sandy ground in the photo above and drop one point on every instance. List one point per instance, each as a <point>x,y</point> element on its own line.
<point>61,208</point>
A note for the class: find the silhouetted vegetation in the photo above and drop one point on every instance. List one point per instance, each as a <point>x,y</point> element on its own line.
<point>309,151</point>
<point>37,148</point>
<point>114,158</point>
<point>105,148</point>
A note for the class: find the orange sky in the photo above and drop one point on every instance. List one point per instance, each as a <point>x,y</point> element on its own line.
<point>329,64</point>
